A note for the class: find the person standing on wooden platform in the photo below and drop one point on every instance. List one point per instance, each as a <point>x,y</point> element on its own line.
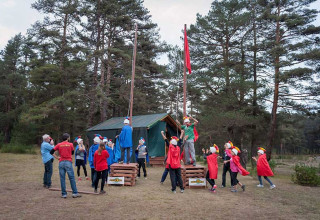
<point>142,152</point>
<point>190,137</point>
<point>66,150</point>
<point>173,161</point>
<point>212,159</point>
<point>125,140</point>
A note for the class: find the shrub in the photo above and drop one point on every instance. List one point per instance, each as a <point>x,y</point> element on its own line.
<point>306,175</point>
<point>18,149</point>
<point>273,165</point>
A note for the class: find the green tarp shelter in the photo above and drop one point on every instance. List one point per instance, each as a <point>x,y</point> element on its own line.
<point>146,126</point>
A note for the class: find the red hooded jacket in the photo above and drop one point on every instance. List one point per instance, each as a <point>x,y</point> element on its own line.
<point>263,168</point>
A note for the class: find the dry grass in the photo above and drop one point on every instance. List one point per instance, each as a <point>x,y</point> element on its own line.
<point>23,197</point>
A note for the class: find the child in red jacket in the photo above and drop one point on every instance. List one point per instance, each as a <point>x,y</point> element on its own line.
<point>212,160</point>
<point>263,168</point>
<point>101,166</point>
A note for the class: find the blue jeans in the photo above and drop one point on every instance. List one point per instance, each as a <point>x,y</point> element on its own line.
<point>164,175</point>
<point>266,178</point>
<point>65,166</point>
<point>47,173</point>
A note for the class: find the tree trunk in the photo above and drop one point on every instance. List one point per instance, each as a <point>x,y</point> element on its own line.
<point>92,108</point>
<point>273,122</point>
<point>102,79</point>
<point>254,99</point>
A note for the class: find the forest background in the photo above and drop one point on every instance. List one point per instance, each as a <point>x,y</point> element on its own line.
<point>255,72</point>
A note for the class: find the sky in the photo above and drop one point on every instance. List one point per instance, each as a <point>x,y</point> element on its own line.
<point>17,16</point>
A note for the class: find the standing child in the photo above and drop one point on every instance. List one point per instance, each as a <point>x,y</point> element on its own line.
<point>263,168</point>
<point>109,148</point>
<point>142,151</point>
<point>92,150</point>
<point>212,159</point>
<point>81,158</point>
<point>173,161</point>
<point>226,166</point>
<point>101,167</point>
<point>236,167</point>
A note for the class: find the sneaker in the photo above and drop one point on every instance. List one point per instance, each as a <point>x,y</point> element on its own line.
<point>222,186</point>
<point>76,195</point>
<point>260,186</point>
<point>138,177</point>
<point>64,196</point>
<point>79,179</point>
<point>174,191</point>
<point>120,162</point>
<point>145,178</point>
<point>48,187</point>
<point>87,178</point>
<point>161,183</point>
<point>128,162</point>
<point>243,187</point>
<point>102,192</point>
<point>273,186</point>
<point>215,186</point>
<point>44,186</point>
<point>181,190</point>
<point>194,164</point>
<point>95,191</point>
<point>234,190</point>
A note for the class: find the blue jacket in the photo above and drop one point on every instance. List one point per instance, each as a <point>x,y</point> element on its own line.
<point>110,159</point>
<point>126,137</point>
<point>92,150</point>
<point>45,152</point>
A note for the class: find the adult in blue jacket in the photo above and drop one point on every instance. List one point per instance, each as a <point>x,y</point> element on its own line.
<point>125,140</point>
<point>47,159</point>
<point>92,150</point>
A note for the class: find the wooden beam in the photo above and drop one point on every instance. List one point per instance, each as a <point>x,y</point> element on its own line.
<point>69,190</point>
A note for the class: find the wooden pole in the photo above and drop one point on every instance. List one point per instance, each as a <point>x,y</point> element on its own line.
<point>184,78</point>
<point>133,71</point>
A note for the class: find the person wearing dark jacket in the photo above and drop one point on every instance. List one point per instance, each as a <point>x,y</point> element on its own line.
<point>226,166</point>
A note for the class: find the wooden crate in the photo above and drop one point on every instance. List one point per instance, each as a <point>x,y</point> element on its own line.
<point>156,161</point>
<point>128,171</point>
<point>190,171</point>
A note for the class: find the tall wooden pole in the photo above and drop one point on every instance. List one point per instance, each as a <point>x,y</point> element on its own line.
<point>133,71</point>
<point>184,78</point>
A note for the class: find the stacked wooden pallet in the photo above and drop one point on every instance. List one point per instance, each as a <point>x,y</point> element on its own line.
<point>128,171</point>
<point>190,171</point>
<point>156,161</point>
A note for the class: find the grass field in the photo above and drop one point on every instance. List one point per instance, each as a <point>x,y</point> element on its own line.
<point>23,197</point>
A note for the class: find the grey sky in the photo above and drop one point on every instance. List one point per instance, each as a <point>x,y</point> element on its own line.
<point>17,16</point>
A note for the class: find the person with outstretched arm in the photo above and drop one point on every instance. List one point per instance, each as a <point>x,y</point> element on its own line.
<point>173,162</point>
<point>66,150</point>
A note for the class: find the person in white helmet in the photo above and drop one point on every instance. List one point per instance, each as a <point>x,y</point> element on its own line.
<point>125,140</point>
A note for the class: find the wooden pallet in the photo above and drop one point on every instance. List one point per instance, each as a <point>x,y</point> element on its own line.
<point>128,171</point>
<point>190,171</point>
<point>156,161</point>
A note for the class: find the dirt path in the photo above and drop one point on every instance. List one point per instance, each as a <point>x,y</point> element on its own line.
<point>23,197</point>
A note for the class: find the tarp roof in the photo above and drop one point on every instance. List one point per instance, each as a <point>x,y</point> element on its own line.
<point>139,121</point>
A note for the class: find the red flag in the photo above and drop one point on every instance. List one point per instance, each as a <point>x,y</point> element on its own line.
<point>186,51</point>
<point>196,135</point>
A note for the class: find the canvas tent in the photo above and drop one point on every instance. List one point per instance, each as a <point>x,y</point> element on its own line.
<point>146,126</point>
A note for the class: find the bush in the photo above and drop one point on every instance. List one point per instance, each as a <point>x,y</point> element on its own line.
<point>306,175</point>
<point>273,165</point>
<point>18,149</point>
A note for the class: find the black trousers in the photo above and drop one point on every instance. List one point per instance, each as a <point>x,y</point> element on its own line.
<point>103,175</point>
<point>93,176</point>
<point>226,168</point>
<point>128,153</point>
<point>141,162</point>
<point>234,180</point>
<point>80,163</point>
<point>175,176</point>
<point>211,181</point>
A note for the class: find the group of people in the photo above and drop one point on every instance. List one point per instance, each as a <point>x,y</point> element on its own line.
<point>101,156</point>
